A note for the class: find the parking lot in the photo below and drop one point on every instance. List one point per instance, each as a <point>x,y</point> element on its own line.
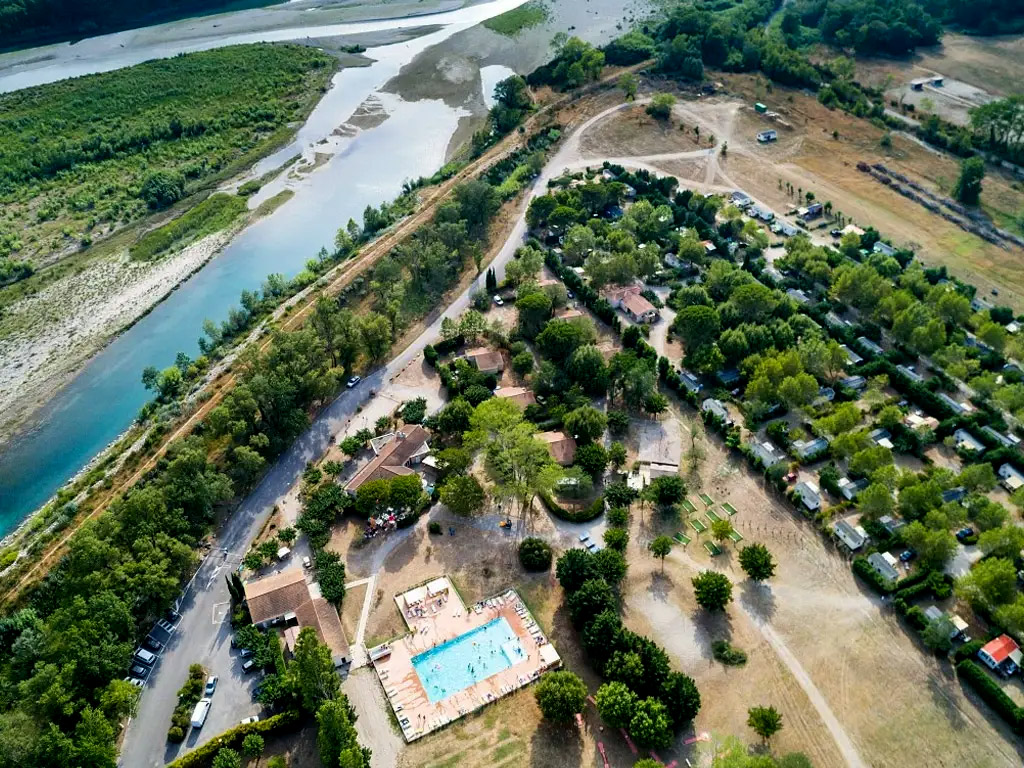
<point>187,641</point>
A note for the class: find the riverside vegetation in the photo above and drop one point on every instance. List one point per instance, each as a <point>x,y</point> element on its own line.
<point>60,706</point>
<point>81,158</point>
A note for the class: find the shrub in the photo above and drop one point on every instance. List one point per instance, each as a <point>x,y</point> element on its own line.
<point>434,527</point>
<point>863,568</point>
<point>968,650</point>
<point>573,516</point>
<point>535,554</point>
<point>202,756</point>
<point>724,652</point>
<point>991,693</point>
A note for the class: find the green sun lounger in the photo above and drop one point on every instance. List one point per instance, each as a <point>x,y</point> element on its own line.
<point>684,540</point>
<point>706,499</point>
<point>736,536</point>
<point>729,509</point>
<point>698,526</point>
<point>712,548</point>
<point>713,516</point>
<point>688,506</point>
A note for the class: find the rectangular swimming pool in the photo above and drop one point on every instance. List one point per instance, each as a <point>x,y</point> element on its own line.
<point>467,659</point>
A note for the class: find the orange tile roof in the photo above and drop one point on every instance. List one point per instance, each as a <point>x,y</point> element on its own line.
<point>392,458</point>
<point>637,305</point>
<point>561,446</point>
<point>521,396</point>
<point>273,596</point>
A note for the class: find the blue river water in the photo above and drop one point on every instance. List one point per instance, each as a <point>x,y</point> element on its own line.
<point>105,397</point>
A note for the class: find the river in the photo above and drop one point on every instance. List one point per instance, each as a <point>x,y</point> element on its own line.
<point>366,169</point>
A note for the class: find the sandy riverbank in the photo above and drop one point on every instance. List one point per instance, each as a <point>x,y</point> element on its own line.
<point>65,324</point>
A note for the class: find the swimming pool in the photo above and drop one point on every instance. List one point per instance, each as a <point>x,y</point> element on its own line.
<point>467,659</point>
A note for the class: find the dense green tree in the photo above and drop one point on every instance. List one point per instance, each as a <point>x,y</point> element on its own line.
<point>764,721</point>
<point>593,597</point>
<point>681,698</point>
<point>535,554</point>
<point>650,726</point>
<point>316,679</point>
<point>757,562</point>
<point>463,495</point>
<point>560,696</point>
<point>615,704</point>
<point>968,185</point>
<point>713,590</point>
<point>660,547</point>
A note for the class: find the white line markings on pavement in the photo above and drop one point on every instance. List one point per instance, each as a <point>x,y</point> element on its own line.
<point>220,612</point>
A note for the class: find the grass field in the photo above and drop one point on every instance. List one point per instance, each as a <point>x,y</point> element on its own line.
<point>213,214</point>
<point>511,23</point>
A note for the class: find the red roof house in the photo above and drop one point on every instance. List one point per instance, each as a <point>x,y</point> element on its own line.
<point>1001,651</point>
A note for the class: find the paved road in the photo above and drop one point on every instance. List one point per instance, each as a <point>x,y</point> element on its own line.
<point>203,634</point>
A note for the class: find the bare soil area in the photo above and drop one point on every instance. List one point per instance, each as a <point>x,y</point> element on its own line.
<point>846,654</point>
<point>819,152</point>
<point>993,64</point>
<point>634,132</point>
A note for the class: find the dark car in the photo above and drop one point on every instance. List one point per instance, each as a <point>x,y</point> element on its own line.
<point>246,653</point>
<point>152,644</point>
<point>907,555</point>
<point>964,534</point>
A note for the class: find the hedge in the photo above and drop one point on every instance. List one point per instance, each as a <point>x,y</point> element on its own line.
<point>968,650</point>
<point>863,568</point>
<point>584,515</point>
<point>991,693</point>
<point>202,756</point>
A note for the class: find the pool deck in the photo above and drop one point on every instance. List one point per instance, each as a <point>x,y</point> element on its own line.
<point>436,614</point>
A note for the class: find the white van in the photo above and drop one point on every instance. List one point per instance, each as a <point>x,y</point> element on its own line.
<point>145,657</point>
<point>200,712</point>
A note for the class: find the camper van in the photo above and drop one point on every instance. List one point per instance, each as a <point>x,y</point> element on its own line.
<point>200,712</point>
<point>765,136</point>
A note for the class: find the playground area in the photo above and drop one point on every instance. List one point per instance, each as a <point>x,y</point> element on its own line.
<point>456,659</point>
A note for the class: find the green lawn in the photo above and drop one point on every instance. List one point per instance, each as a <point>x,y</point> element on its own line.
<point>511,23</point>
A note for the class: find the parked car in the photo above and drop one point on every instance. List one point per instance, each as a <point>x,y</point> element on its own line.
<point>964,533</point>
<point>568,294</point>
<point>211,685</point>
<point>139,671</point>
<point>144,657</point>
<point>250,719</point>
<point>152,644</point>
<point>200,712</point>
<point>306,562</point>
<point>246,653</point>
<point>135,681</point>
<point>249,666</point>
<point>907,555</point>
<point>498,301</point>
<point>353,381</point>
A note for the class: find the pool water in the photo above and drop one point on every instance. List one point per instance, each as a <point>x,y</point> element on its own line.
<point>467,659</point>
